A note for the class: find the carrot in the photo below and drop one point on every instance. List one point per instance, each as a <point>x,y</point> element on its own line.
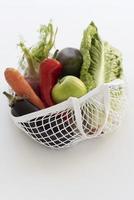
<point>21,87</point>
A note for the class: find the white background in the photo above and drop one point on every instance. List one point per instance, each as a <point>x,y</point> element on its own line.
<point>100,169</point>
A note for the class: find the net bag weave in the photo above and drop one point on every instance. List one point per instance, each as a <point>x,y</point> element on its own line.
<point>97,113</point>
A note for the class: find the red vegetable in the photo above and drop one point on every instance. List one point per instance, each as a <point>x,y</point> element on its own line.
<point>50,70</point>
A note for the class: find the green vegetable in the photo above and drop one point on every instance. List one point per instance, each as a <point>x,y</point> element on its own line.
<point>34,55</point>
<point>101,62</point>
<point>113,63</point>
<point>91,49</point>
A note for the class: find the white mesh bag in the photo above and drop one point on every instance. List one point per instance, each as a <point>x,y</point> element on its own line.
<point>99,112</point>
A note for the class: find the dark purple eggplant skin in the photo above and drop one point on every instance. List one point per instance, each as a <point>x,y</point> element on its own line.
<point>23,107</point>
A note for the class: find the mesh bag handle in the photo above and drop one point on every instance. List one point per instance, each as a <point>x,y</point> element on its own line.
<point>78,116</point>
<point>106,106</point>
<point>77,111</point>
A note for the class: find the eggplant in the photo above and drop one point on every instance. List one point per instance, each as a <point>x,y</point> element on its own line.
<point>20,106</point>
<point>23,107</point>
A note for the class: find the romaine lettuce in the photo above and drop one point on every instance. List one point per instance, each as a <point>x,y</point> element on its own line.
<point>101,62</point>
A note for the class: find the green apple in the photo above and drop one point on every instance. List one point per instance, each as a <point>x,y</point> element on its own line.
<point>68,86</point>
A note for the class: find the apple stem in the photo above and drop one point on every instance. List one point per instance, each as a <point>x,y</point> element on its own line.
<point>61,80</point>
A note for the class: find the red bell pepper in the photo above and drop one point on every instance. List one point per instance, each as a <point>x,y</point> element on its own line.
<point>50,70</point>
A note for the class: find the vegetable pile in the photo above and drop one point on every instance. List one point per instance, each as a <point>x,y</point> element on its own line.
<point>50,78</point>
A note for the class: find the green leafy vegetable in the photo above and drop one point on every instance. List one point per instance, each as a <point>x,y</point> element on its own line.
<point>33,56</point>
<point>91,49</point>
<point>113,63</point>
<point>101,62</point>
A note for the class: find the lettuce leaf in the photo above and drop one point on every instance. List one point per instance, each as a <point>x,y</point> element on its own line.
<point>91,49</point>
<point>101,62</point>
